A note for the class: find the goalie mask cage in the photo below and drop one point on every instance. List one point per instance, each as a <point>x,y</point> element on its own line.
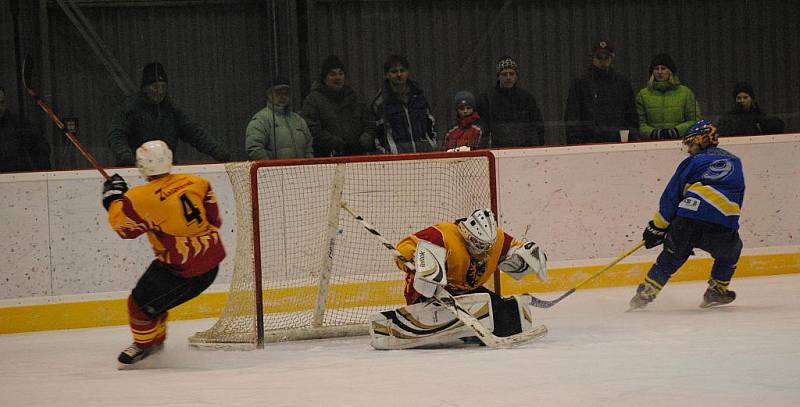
<point>304,268</point>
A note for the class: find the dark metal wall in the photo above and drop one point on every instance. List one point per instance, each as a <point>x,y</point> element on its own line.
<point>217,58</point>
<point>452,45</point>
<point>219,54</point>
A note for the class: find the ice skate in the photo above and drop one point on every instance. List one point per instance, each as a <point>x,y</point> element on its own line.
<point>133,354</point>
<point>717,294</point>
<point>645,294</point>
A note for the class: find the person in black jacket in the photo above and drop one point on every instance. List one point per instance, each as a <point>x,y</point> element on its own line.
<point>600,102</point>
<point>403,117</point>
<point>150,115</point>
<point>509,113</point>
<point>747,119</point>
<point>21,147</point>
<point>339,120</point>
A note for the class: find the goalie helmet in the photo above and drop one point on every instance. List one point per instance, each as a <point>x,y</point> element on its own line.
<point>479,231</point>
<point>154,158</point>
<point>703,134</point>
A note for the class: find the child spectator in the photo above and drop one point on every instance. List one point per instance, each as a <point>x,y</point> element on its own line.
<point>467,131</point>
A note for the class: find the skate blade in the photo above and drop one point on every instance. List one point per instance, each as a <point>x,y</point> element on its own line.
<point>712,304</point>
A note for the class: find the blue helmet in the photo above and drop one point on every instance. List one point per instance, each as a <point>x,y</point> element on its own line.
<point>703,133</point>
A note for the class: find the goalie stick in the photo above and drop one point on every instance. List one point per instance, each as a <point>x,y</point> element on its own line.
<point>547,304</point>
<point>27,74</point>
<point>446,299</point>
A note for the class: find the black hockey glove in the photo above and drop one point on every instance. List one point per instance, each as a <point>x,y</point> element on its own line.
<point>653,235</point>
<point>113,189</point>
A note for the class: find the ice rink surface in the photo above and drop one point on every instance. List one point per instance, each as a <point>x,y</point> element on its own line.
<point>671,354</point>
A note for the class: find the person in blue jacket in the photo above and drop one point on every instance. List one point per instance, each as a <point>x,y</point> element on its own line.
<point>699,208</point>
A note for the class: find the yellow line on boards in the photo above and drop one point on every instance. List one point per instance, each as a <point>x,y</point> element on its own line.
<point>86,314</point>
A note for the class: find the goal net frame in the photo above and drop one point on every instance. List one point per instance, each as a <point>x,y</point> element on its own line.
<point>249,260</point>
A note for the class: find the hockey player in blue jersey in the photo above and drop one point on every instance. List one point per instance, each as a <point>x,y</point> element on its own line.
<point>699,208</point>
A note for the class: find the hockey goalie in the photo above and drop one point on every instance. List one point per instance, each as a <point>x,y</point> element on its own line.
<point>459,257</point>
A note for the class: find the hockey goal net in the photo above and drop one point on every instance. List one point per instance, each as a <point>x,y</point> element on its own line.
<point>304,268</point>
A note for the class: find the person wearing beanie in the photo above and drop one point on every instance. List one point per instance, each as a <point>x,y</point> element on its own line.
<point>151,115</point>
<point>600,102</point>
<point>510,113</point>
<point>404,122</point>
<point>466,134</point>
<point>666,108</point>
<point>340,123</point>
<point>746,118</point>
<point>276,132</point>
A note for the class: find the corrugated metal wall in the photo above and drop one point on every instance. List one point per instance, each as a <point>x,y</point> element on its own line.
<point>8,70</point>
<point>217,58</point>
<point>219,54</point>
<point>452,45</point>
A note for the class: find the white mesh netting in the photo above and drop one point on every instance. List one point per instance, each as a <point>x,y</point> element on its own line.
<point>322,273</point>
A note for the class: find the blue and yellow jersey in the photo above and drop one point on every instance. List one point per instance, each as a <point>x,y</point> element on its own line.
<point>463,272</point>
<point>180,215</point>
<point>708,186</point>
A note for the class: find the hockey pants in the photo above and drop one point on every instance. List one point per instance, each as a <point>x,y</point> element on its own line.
<point>684,235</point>
<point>157,291</point>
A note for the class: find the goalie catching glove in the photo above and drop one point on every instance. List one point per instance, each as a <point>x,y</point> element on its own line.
<point>430,271</point>
<point>523,260</point>
<point>113,189</point>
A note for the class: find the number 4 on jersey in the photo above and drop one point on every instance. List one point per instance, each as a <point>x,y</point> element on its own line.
<point>190,212</point>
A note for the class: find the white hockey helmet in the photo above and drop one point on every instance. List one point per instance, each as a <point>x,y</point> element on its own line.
<point>479,230</point>
<point>154,158</point>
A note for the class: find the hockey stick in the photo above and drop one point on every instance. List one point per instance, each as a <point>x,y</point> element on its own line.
<point>27,73</point>
<point>446,299</point>
<point>547,304</point>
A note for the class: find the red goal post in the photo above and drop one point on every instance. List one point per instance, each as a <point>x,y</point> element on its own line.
<point>304,268</point>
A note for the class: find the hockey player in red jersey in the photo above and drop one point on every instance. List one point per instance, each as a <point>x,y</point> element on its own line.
<point>179,214</point>
<point>460,256</point>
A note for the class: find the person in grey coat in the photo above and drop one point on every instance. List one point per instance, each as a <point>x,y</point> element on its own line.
<point>339,120</point>
<point>276,132</point>
<point>150,115</point>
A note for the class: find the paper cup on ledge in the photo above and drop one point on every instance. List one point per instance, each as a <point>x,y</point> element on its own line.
<point>623,135</point>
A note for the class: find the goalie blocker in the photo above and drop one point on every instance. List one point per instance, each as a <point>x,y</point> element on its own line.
<point>428,324</point>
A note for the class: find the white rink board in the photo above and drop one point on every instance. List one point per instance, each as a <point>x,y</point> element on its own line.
<point>63,211</point>
<point>593,201</point>
<point>580,203</point>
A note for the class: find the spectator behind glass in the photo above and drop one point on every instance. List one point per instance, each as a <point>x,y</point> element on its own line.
<point>150,115</point>
<point>339,121</point>
<point>467,131</point>
<point>600,102</point>
<point>509,113</point>
<point>746,118</point>
<point>276,132</point>
<point>403,117</point>
<point>21,147</point>
<point>666,108</point>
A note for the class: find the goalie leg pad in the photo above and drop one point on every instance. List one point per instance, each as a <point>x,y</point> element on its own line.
<point>428,324</point>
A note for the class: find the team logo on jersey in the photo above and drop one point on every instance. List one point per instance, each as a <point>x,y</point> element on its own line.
<point>718,170</point>
<point>475,272</point>
<point>689,203</point>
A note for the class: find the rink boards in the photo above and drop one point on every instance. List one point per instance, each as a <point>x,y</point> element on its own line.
<point>64,268</point>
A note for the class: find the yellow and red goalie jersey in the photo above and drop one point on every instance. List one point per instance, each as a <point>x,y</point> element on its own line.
<point>180,215</point>
<point>463,272</point>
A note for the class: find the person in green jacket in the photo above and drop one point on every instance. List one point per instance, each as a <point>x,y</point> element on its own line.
<point>666,108</point>
<point>276,132</point>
